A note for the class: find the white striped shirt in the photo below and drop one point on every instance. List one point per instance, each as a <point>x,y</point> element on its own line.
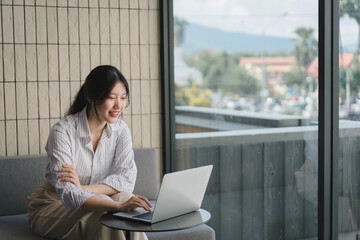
<point>112,163</point>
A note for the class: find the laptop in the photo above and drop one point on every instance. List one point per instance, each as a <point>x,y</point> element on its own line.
<point>180,193</point>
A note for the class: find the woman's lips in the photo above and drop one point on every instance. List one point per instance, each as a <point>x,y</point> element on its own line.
<point>114,114</point>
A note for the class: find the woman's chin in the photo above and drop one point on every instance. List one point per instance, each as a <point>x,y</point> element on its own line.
<point>112,119</point>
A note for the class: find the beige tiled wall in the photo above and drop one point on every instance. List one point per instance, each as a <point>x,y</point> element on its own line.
<point>48,48</point>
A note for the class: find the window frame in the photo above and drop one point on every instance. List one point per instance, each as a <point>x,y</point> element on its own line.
<point>328,128</point>
<point>168,86</point>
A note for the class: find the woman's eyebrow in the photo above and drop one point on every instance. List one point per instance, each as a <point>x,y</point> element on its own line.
<point>121,94</point>
<point>117,94</point>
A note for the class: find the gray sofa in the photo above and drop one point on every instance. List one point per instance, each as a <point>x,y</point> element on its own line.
<point>21,175</point>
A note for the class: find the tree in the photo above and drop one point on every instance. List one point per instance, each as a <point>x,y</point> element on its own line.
<point>295,77</point>
<point>351,8</point>
<point>212,66</point>
<point>221,71</point>
<point>305,47</point>
<point>179,31</point>
<point>238,80</point>
<point>305,51</point>
<point>192,96</point>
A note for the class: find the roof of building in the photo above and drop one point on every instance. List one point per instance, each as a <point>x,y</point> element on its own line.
<point>345,60</point>
<point>267,61</point>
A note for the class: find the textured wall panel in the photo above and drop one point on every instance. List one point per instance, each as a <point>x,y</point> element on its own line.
<point>52,25</point>
<point>20,63</point>
<point>19,24</point>
<point>49,47</point>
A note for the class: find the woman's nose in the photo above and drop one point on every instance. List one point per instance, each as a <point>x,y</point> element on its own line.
<point>117,103</point>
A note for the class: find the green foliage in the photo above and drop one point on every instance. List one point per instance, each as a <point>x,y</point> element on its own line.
<point>211,65</point>
<point>296,77</point>
<point>239,81</point>
<point>305,51</point>
<point>221,72</point>
<point>192,96</point>
<point>351,8</point>
<point>305,46</point>
<point>342,83</point>
<point>355,82</point>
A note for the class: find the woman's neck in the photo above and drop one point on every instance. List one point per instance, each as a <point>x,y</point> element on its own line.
<point>95,125</point>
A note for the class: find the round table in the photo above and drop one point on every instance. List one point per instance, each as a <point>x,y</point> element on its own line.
<point>177,223</point>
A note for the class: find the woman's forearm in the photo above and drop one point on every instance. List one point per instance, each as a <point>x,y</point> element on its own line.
<point>101,203</point>
<point>100,189</point>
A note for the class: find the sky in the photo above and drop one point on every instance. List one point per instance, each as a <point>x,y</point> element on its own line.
<point>267,17</point>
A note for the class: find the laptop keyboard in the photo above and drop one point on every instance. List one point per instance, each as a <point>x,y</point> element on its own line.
<point>146,216</point>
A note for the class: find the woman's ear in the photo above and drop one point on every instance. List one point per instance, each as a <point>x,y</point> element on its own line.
<point>90,100</point>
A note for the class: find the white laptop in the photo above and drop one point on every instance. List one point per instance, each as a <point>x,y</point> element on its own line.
<point>180,193</point>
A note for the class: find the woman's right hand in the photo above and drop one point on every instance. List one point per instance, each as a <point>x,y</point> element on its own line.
<point>135,202</point>
<point>68,174</point>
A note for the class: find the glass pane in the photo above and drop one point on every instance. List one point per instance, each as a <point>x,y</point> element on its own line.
<point>246,92</point>
<point>349,125</point>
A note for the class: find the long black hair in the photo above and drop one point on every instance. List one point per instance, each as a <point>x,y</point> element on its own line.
<point>97,87</point>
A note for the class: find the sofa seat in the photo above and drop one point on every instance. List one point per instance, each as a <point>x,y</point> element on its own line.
<point>15,227</point>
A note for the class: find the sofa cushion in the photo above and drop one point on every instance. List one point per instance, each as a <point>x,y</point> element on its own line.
<point>19,177</point>
<point>16,227</point>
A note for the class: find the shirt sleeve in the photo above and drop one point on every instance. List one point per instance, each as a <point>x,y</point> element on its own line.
<point>58,148</point>
<point>124,171</point>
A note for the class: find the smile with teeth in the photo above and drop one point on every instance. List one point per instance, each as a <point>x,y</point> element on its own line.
<point>114,113</point>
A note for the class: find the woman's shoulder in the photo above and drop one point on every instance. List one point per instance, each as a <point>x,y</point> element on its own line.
<point>62,131</point>
<point>120,126</point>
<point>67,123</point>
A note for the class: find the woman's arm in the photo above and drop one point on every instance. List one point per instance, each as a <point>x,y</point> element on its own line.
<point>102,202</point>
<point>59,152</point>
<point>124,171</point>
<point>105,204</point>
<point>100,189</point>
<point>69,175</point>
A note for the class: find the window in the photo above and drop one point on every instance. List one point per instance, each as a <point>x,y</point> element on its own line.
<point>349,115</point>
<point>274,159</point>
<point>246,101</point>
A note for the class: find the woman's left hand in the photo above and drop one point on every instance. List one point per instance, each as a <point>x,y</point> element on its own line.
<point>69,175</point>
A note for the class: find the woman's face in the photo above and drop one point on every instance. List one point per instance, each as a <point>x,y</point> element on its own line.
<point>110,110</point>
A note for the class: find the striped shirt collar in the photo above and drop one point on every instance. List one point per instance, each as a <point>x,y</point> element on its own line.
<point>84,130</point>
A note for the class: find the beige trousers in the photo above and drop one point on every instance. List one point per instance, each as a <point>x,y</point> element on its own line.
<point>49,218</point>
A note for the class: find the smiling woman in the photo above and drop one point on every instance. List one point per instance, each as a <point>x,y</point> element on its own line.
<point>91,166</point>
<point>113,104</point>
<point>98,87</point>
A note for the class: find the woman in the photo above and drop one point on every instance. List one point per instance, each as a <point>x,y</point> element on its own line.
<point>91,168</point>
